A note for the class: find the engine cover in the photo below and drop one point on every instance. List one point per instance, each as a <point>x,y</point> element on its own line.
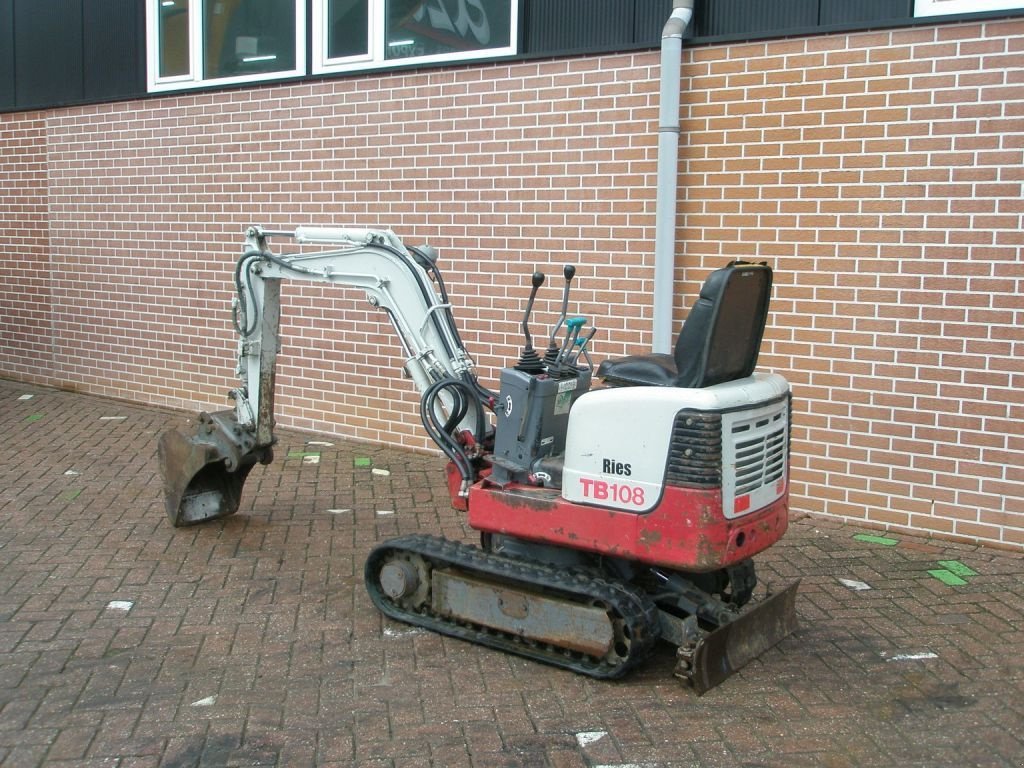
<point>625,444</point>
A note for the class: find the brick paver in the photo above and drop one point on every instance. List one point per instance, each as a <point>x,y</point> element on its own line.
<point>251,641</point>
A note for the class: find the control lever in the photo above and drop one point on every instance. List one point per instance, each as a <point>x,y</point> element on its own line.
<point>573,326</point>
<point>582,344</point>
<point>529,360</point>
<point>552,353</point>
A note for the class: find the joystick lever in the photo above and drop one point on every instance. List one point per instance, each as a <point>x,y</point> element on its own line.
<point>552,353</point>
<point>529,360</point>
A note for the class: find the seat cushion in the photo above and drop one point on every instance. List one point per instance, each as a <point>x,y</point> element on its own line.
<point>654,370</point>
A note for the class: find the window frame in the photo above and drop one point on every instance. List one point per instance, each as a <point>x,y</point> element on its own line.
<point>934,8</point>
<point>194,79</point>
<point>376,58</point>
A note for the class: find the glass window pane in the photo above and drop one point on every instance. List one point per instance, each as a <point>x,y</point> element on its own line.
<point>432,27</point>
<point>173,38</point>
<point>244,37</point>
<point>348,28</point>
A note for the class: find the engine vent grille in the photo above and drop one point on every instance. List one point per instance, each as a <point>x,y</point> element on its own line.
<point>695,453</point>
<point>760,451</point>
<point>755,457</point>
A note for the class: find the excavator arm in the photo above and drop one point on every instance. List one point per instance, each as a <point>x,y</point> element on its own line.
<point>204,473</point>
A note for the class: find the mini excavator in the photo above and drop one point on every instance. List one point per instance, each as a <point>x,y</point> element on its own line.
<point>612,515</point>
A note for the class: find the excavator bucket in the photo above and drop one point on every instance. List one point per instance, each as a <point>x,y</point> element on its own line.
<point>727,649</point>
<point>204,474</point>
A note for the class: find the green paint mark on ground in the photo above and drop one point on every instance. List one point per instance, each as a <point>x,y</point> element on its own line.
<point>71,495</point>
<point>363,461</point>
<point>34,417</point>
<point>955,566</point>
<point>947,577</point>
<point>302,454</point>
<point>883,540</point>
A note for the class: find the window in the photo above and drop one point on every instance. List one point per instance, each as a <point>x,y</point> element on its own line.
<point>361,34</point>
<point>173,33</point>
<point>213,42</point>
<point>196,42</point>
<point>946,7</point>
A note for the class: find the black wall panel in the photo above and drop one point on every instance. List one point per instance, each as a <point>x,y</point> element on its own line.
<point>718,18</point>
<point>712,19</point>
<point>112,55</point>
<point>567,25</point>
<point>863,11</point>
<point>650,17</point>
<point>47,52</point>
<point>6,54</point>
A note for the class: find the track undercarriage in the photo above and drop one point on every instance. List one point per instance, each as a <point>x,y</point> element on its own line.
<point>599,618</point>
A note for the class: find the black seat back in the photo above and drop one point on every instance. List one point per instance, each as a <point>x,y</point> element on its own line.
<point>721,337</point>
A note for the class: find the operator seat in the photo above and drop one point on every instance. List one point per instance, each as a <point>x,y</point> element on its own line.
<point>720,338</point>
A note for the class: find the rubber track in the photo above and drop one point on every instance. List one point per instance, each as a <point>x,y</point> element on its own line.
<point>635,609</point>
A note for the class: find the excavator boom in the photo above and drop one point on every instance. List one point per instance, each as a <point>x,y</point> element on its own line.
<point>204,472</point>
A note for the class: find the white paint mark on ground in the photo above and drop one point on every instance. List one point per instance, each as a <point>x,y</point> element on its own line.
<point>857,586</point>
<point>383,512</point>
<point>911,656</point>
<point>589,737</point>
<point>389,632</point>
<point>71,472</point>
<point>322,443</point>
<point>120,605</point>
<point>310,459</point>
<point>207,702</point>
<point>26,397</point>
<point>381,472</point>
<point>113,418</point>
<point>339,511</point>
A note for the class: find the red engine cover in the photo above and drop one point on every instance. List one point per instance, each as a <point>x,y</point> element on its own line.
<point>686,531</point>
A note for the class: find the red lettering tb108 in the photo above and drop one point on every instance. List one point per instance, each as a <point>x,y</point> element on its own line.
<point>623,493</point>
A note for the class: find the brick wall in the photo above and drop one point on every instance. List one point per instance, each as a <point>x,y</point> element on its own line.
<point>880,173</point>
<point>25,319</point>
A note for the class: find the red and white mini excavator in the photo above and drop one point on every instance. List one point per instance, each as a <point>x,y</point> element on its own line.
<point>610,516</point>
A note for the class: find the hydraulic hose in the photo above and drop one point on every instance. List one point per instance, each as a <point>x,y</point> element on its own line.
<point>441,434</point>
<point>242,266</point>
<point>488,397</point>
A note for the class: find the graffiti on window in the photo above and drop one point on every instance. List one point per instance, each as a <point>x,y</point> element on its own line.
<point>431,27</point>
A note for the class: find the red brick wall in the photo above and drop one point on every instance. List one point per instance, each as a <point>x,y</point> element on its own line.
<point>880,173</point>
<point>26,338</point>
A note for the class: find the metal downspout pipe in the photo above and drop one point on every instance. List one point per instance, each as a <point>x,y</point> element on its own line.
<point>668,173</point>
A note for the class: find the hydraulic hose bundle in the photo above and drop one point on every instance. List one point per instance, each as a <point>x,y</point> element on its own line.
<point>464,396</point>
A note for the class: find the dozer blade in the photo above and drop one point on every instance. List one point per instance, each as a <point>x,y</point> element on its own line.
<point>726,650</point>
<point>204,474</point>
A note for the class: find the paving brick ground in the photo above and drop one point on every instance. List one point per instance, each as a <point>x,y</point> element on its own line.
<point>250,641</point>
